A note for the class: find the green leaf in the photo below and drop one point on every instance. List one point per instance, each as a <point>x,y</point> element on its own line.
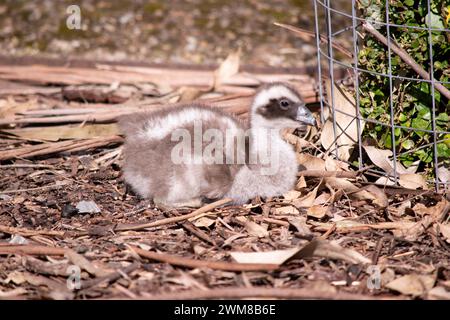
<point>443,150</point>
<point>443,117</point>
<point>436,21</point>
<point>408,144</point>
<point>420,124</point>
<point>424,156</point>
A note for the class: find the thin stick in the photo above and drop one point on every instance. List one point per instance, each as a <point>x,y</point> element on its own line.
<point>111,277</point>
<point>257,292</point>
<point>189,226</point>
<point>192,263</point>
<point>51,186</point>
<point>161,222</point>
<point>25,165</point>
<point>32,250</point>
<point>27,232</point>
<point>405,57</point>
<point>329,231</point>
<point>323,38</point>
<point>321,174</point>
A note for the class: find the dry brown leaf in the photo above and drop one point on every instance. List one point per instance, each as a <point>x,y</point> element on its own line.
<point>385,181</point>
<point>292,195</point>
<point>277,257</point>
<point>443,174</point>
<point>310,162</point>
<point>373,193</point>
<point>228,68</point>
<point>308,200</point>
<point>204,222</point>
<point>57,290</point>
<point>445,231</point>
<point>55,133</point>
<point>317,211</point>
<point>253,228</point>
<point>188,94</point>
<point>381,158</point>
<point>346,126</point>
<point>317,248</point>
<point>84,263</point>
<point>413,284</point>
<point>300,224</point>
<point>439,293</point>
<point>413,233</point>
<point>12,293</point>
<point>9,107</point>
<point>323,198</point>
<point>45,268</point>
<point>335,165</point>
<point>400,210</point>
<point>286,210</point>
<point>332,250</point>
<point>341,184</point>
<point>301,183</point>
<point>436,212</point>
<point>413,181</point>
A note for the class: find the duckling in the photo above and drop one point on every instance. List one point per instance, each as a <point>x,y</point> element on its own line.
<point>191,154</point>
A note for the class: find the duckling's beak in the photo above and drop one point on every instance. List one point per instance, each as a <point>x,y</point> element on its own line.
<point>305,116</point>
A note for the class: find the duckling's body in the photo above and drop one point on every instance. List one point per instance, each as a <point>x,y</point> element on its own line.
<point>176,157</point>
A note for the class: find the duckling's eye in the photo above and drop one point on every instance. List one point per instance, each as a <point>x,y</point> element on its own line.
<point>284,104</point>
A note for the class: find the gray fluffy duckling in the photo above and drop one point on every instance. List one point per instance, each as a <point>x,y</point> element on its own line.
<point>191,154</point>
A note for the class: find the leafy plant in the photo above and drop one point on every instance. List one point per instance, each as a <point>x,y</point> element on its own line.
<point>411,99</point>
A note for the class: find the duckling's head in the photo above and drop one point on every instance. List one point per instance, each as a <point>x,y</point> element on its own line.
<point>278,106</point>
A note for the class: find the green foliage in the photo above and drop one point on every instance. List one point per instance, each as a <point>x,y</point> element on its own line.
<point>411,100</point>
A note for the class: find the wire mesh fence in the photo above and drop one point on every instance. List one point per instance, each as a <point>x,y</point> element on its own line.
<point>386,90</point>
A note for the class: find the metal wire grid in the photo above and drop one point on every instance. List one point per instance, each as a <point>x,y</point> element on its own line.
<point>328,56</point>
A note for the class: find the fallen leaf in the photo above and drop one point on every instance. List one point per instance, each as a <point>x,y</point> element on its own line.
<point>87,207</point>
<point>332,250</point>
<point>18,239</point>
<point>412,284</point>
<point>301,183</point>
<point>381,158</point>
<point>308,200</point>
<point>188,94</point>
<point>436,212</point>
<point>12,293</point>
<point>56,291</point>
<point>417,229</point>
<point>253,228</point>
<point>443,174</point>
<point>317,211</point>
<point>310,162</point>
<point>292,195</point>
<point>84,263</point>
<point>316,248</point>
<point>299,223</point>
<point>374,194</point>
<point>277,257</point>
<point>400,210</point>
<point>346,126</point>
<point>412,181</point>
<point>335,165</point>
<point>204,222</point>
<point>445,231</point>
<point>385,181</point>
<point>341,184</point>
<point>55,133</point>
<point>324,197</point>
<point>286,210</point>
<point>228,68</point>
<point>439,293</point>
